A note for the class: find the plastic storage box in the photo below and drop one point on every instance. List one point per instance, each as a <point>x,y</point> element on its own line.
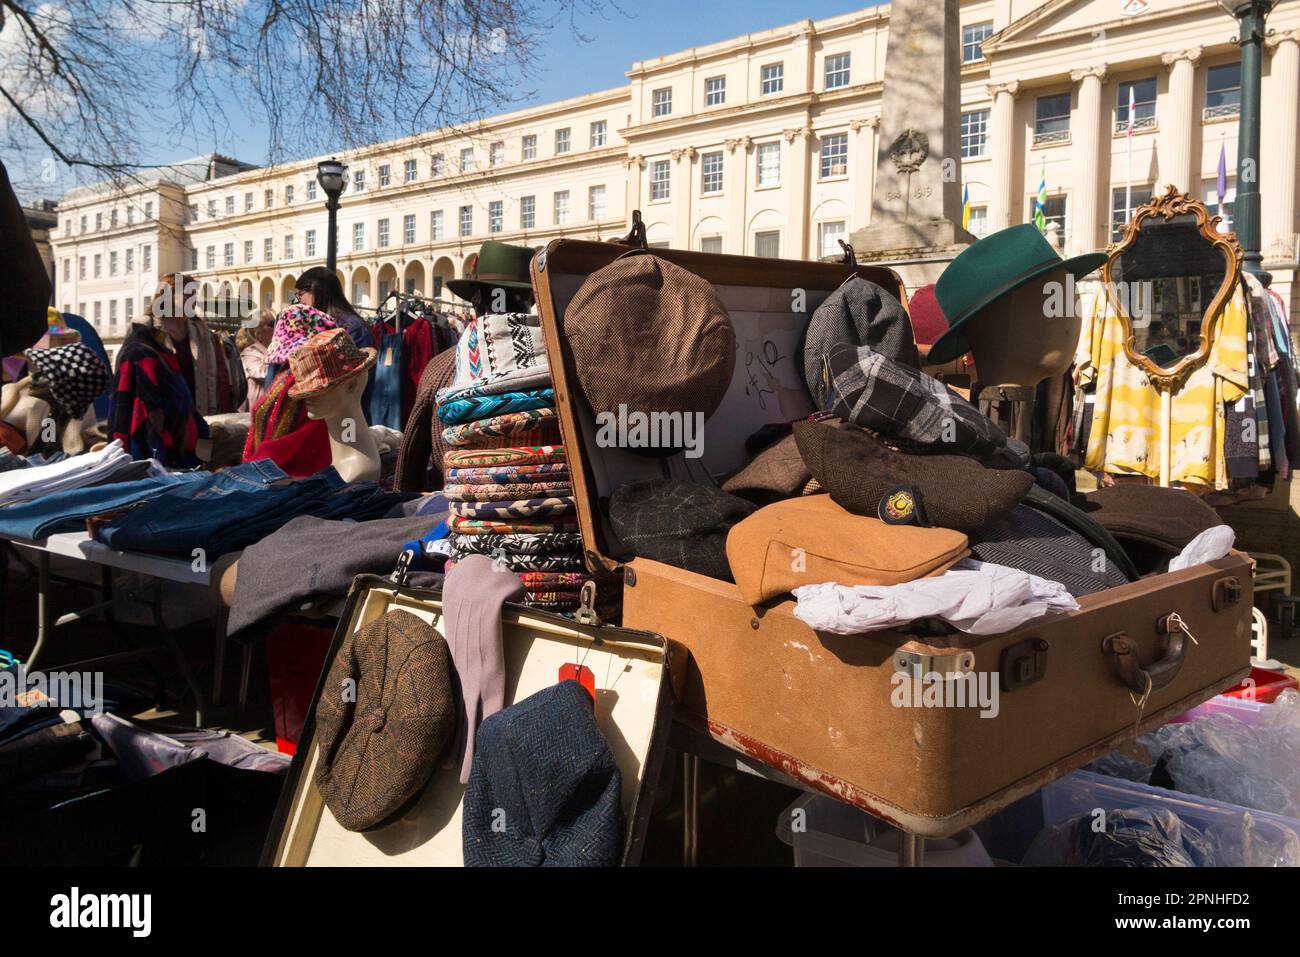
<point>826,833</point>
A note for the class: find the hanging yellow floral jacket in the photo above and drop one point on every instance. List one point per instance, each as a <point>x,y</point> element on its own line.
<point>1125,436</point>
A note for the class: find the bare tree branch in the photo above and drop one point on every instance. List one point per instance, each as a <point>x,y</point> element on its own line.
<point>91,84</point>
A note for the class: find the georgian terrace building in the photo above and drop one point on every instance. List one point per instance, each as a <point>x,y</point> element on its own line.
<point>763,145</point>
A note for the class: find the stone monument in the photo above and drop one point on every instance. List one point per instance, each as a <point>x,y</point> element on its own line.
<point>916,212</point>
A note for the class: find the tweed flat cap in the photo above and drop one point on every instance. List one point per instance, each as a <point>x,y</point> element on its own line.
<point>810,540</point>
<point>1036,542</point>
<point>677,523</point>
<point>901,403</point>
<point>858,470</point>
<point>544,790</point>
<point>776,472</point>
<point>1167,518</point>
<point>386,712</point>
<point>649,334</point>
<point>859,313</point>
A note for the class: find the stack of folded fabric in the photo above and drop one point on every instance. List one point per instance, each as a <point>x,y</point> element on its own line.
<point>506,480</point>
<point>78,471</point>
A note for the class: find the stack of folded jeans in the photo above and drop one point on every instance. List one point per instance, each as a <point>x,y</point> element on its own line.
<point>68,510</point>
<point>220,518</point>
<point>507,483</point>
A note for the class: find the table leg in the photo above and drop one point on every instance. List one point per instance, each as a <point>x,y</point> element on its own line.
<point>106,589</point>
<point>218,654</point>
<point>911,850</point>
<point>200,702</point>
<point>690,810</point>
<point>44,612</point>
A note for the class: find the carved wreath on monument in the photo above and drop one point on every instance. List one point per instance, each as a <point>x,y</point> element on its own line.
<point>910,151</point>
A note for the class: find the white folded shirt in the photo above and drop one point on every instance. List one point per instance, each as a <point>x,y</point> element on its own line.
<point>979,598</point>
<point>80,470</point>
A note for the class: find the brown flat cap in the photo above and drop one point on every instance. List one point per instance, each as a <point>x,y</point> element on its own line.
<point>649,334</point>
<point>805,541</point>
<point>777,472</point>
<point>858,470</point>
<point>386,712</point>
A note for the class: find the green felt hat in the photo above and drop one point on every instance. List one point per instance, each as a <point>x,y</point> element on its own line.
<point>498,265</point>
<point>987,271</point>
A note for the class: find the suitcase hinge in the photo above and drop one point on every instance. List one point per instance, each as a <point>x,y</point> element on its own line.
<point>919,666</point>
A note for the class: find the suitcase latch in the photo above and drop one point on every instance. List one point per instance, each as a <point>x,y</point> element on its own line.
<point>586,613</point>
<point>1227,592</point>
<point>1023,663</point>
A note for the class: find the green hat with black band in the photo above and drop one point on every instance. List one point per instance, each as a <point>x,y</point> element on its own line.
<point>497,266</point>
<point>987,271</point>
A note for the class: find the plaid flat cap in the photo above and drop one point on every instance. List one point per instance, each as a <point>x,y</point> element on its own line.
<point>905,405</point>
<point>69,377</point>
<point>325,360</point>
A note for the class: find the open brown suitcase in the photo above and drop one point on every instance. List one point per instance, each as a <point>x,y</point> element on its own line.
<point>632,671</point>
<point>817,707</point>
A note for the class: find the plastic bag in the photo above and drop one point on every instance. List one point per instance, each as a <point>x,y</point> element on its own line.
<point>1131,837</point>
<point>1254,764</point>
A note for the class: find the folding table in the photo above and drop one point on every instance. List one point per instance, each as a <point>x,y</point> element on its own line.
<point>80,546</point>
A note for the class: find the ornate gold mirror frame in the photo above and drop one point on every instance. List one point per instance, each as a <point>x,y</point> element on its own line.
<point>1171,204</point>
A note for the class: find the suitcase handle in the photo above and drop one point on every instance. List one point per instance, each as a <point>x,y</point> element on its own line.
<point>1123,652</point>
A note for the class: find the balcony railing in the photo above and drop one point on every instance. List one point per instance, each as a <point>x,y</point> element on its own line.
<point>1218,112</point>
<point>1052,138</point>
<point>1139,124</point>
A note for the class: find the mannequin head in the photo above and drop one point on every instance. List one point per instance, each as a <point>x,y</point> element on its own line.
<point>336,402</point>
<point>489,300</point>
<point>1029,334</point>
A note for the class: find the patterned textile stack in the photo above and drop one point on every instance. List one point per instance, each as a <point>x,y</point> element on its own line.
<point>506,478</point>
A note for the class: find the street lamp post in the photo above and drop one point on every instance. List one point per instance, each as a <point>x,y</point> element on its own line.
<point>329,173</point>
<point>1251,14</point>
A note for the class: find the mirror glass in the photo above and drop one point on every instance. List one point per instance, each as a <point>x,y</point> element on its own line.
<point>1170,275</point>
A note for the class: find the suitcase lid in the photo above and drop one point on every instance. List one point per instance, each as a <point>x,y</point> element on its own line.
<point>633,710</point>
<point>770,302</point>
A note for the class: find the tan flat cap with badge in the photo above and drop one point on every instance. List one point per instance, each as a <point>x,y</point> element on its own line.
<point>810,540</point>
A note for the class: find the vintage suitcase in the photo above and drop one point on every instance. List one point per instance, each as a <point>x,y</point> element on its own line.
<point>819,708</point>
<point>633,710</point>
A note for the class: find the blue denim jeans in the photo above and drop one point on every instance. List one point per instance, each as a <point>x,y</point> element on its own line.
<point>68,510</point>
<point>180,520</point>
<point>384,395</point>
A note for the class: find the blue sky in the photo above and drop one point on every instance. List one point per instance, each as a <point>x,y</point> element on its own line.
<point>641,30</point>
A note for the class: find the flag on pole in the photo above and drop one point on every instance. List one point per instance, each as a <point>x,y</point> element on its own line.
<point>1222,185</point>
<point>965,207</point>
<point>1040,204</point>
<point>1132,108</point>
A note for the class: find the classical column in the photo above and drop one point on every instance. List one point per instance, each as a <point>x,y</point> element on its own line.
<point>736,175</point>
<point>1006,147</point>
<point>1280,210</point>
<point>862,147</point>
<point>1088,140</point>
<point>683,191</point>
<point>633,165</point>
<point>796,245</point>
<point>1179,129</point>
